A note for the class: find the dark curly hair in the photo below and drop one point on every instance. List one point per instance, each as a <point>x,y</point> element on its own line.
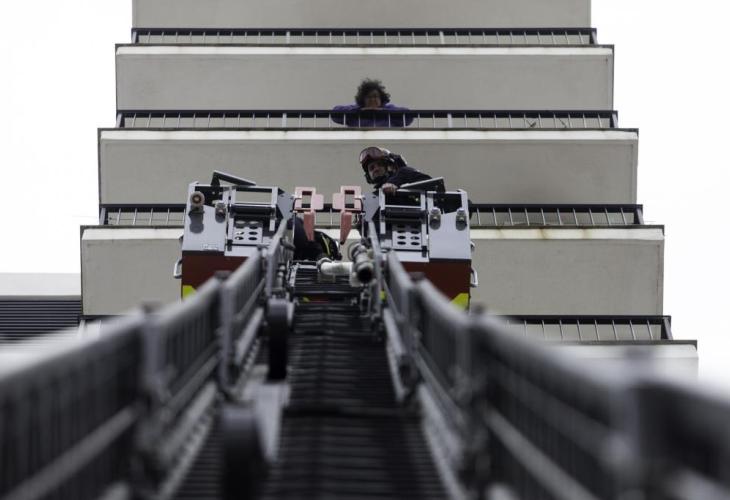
<point>367,86</point>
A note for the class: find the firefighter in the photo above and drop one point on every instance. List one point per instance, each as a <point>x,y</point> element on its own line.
<point>387,171</point>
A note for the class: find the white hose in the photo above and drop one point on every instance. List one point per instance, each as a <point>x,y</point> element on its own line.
<point>329,268</point>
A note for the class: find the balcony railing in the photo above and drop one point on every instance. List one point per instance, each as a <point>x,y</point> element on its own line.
<point>482,215</point>
<point>367,37</point>
<point>327,119</point>
<point>593,328</point>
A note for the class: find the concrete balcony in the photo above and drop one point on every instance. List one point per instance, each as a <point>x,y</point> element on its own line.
<point>294,77</point>
<point>602,271</point>
<point>596,259</point>
<point>570,270</point>
<point>496,166</point>
<point>123,267</point>
<point>614,342</point>
<point>358,13</point>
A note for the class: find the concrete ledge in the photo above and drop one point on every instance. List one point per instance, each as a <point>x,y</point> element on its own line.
<point>611,271</point>
<point>671,358</point>
<point>153,77</point>
<point>47,286</point>
<point>124,267</point>
<point>570,271</point>
<point>510,166</point>
<point>359,13</point>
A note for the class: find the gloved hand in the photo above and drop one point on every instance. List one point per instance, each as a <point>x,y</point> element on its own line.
<point>389,188</point>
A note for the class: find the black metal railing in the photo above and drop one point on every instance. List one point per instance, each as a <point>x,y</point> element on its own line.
<point>542,215</point>
<point>592,328</point>
<point>328,119</point>
<point>154,214</point>
<point>482,215</point>
<point>367,37</point>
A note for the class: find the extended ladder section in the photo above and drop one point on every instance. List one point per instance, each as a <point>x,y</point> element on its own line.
<point>278,381</point>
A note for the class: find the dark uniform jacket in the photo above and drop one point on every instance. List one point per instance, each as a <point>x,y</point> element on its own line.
<point>404,175</point>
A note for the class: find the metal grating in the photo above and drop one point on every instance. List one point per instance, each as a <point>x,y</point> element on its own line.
<point>337,362</point>
<point>349,457</point>
<point>326,119</point>
<point>343,434</point>
<point>368,37</point>
<point>592,328</point>
<point>24,318</point>
<point>206,474</point>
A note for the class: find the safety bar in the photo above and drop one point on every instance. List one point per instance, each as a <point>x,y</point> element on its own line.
<point>481,214</point>
<point>382,118</point>
<point>363,36</point>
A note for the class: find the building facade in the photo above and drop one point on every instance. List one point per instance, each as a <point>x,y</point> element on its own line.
<point>513,103</point>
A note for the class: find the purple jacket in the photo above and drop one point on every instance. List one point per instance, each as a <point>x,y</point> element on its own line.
<point>389,115</point>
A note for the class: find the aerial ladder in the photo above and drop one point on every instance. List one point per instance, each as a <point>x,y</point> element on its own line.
<point>275,378</point>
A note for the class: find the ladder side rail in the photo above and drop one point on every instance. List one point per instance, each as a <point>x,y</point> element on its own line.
<point>442,349</point>
<point>240,316</point>
<point>684,440</point>
<point>68,415</point>
<point>181,359</point>
<point>549,423</point>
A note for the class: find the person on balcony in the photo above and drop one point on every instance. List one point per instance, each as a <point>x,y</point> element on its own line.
<point>388,171</point>
<point>372,108</point>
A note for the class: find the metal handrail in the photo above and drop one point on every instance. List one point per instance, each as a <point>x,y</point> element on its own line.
<point>481,214</point>
<point>555,36</point>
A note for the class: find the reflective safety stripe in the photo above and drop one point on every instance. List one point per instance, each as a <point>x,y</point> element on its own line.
<point>461,301</point>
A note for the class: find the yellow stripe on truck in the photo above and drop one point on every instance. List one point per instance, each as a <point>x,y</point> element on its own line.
<point>461,301</point>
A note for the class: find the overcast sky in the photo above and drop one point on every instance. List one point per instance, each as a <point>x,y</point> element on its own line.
<point>671,82</point>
